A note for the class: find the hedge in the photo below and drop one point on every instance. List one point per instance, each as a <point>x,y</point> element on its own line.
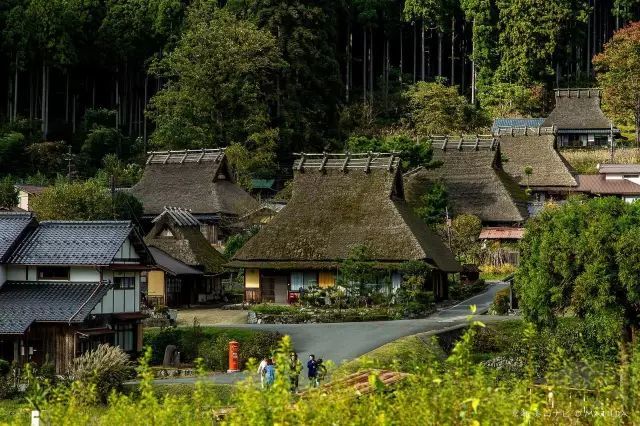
<point>211,344</point>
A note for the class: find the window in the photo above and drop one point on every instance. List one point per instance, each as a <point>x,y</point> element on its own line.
<point>310,279</point>
<point>53,273</point>
<point>125,337</point>
<point>124,283</point>
<point>297,281</point>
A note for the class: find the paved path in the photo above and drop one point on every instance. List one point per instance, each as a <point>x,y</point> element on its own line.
<point>343,341</point>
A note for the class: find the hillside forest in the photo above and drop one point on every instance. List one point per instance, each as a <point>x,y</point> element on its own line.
<point>81,80</point>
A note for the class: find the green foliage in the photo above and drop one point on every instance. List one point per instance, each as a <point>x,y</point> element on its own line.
<point>210,100</point>
<point>465,230</point>
<point>433,108</point>
<point>616,73</point>
<point>511,100</point>
<point>413,153</point>
<point>107,368</point>
<point>432,205</point>
<point>88,200</point>
<point>501,302</point>
<point>256,158</point>
<point>235,242</point>
<point>11,149</point>
<point>124,175</point>
<point>210,343</point>
<point>575,260</point>
<point>8,192</point>
<point>463,291</point>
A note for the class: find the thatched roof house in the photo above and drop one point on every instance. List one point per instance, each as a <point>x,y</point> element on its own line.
<point>180,250</point>
<point>339,202</point>
<point>535,150</point>
<point>578,118</point>
<point>198,180</point>
<point>470,168</point>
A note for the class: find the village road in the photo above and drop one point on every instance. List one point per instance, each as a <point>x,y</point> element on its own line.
<point>343,341</point>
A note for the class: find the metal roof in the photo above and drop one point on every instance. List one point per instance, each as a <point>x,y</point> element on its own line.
<point>501,233</point>
<point>171,264</point>
<point>24,302</point>
<point>180,216</point>
<point>516,122</point>
<point>619,169</point>
<point>72,243</point>
<point>12,226</point>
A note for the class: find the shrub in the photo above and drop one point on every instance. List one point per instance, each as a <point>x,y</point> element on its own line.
<point>461,291</point>
<point>106,367</point>
<point>501,302</point>
<point>268,308</point>
<point>5,367</point>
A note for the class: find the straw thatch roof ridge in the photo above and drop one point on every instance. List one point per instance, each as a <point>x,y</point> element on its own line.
<point>347,161</point>
<point>333,211</point>
<point>198,180</point>
<point>577,109</point>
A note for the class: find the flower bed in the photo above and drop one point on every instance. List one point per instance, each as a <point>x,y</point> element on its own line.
<point>285,314</point>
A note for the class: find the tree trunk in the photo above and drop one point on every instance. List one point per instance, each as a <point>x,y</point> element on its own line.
<point>30,96</point>
<point>415,50</point>
<point>93,94</point>
<point>423,67</point>
<point>43,123</point>
<point>117,101</point>
<point>347,76</point>
<point>440,36</point>
<point>66,101</point>
<point>364,66</point>
<point>73,115</point>
<point>9,96</point>
<point>453,50</point>
<point>15,92</point>
<point>588,51</point>
<point>401,53</point>
<point>371,65</point>
<point>144,114</point>
<point>46,120</point>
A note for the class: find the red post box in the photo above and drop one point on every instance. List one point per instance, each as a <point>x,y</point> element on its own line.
<point>234,362</point>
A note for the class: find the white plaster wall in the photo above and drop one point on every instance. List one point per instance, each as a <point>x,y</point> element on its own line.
<point>17,273</point>
<point>84,274</point>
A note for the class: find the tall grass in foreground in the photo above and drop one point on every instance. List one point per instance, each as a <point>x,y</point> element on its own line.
<point>457,392</point>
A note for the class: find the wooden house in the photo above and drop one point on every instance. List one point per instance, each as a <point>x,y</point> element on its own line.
<point>340,202</point>
<point>579,120</point>
<point>198,180</point>
<point>189,268</point>
<point>67,287</point>
<point>26,194</point>
<point>471,170</point>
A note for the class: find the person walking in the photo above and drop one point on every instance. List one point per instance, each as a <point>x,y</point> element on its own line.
<point>312,373</point>
<point>295,367</point>
<point>269,373</point>
<point>261,371</point>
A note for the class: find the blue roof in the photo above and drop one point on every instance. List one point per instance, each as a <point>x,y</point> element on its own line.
<point>25,302</point>
<point>12,226</point>
<point>72,243</point>
<point>517,122</point>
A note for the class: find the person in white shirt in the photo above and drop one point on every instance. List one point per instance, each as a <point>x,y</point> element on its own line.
<point>261,371</point>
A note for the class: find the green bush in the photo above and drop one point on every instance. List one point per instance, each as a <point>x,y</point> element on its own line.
<point>501,302</point>
<point>268,308</point>
<point>210,343</point>
<point>5,367</point>
<point>461,291</point>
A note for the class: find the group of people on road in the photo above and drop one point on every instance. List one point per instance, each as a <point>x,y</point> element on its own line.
<point>316,371</point>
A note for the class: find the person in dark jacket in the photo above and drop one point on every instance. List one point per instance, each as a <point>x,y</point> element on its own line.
<point>312,374</point>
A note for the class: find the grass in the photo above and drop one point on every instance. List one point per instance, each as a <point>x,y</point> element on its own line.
<point>492,273</point>
<point>14,410</point>
<point>224,393</point>
<point>585,161</point>
<point>399,355</point>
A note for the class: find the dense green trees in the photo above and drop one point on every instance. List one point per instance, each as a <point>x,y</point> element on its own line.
<point>581,258</point>
<point>192,73</point>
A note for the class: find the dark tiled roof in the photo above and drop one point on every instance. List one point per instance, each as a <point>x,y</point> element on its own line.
<point>598,185</point>
<point>72,243</point>
<point>539,153</point>
<point>23,303</point>
<point>332,211</point>
<point>577,109</point>
<point>474,180</point>
<point>12,226</point>
<point>171,264</point>
<point>202,185</point>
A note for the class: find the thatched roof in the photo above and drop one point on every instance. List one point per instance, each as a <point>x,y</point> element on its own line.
<point>522,150</point>
<point>198,180</point>
<point>577,109</point>
<point>337,204</point>
<point>471,171</point>
<point>177,233</point>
